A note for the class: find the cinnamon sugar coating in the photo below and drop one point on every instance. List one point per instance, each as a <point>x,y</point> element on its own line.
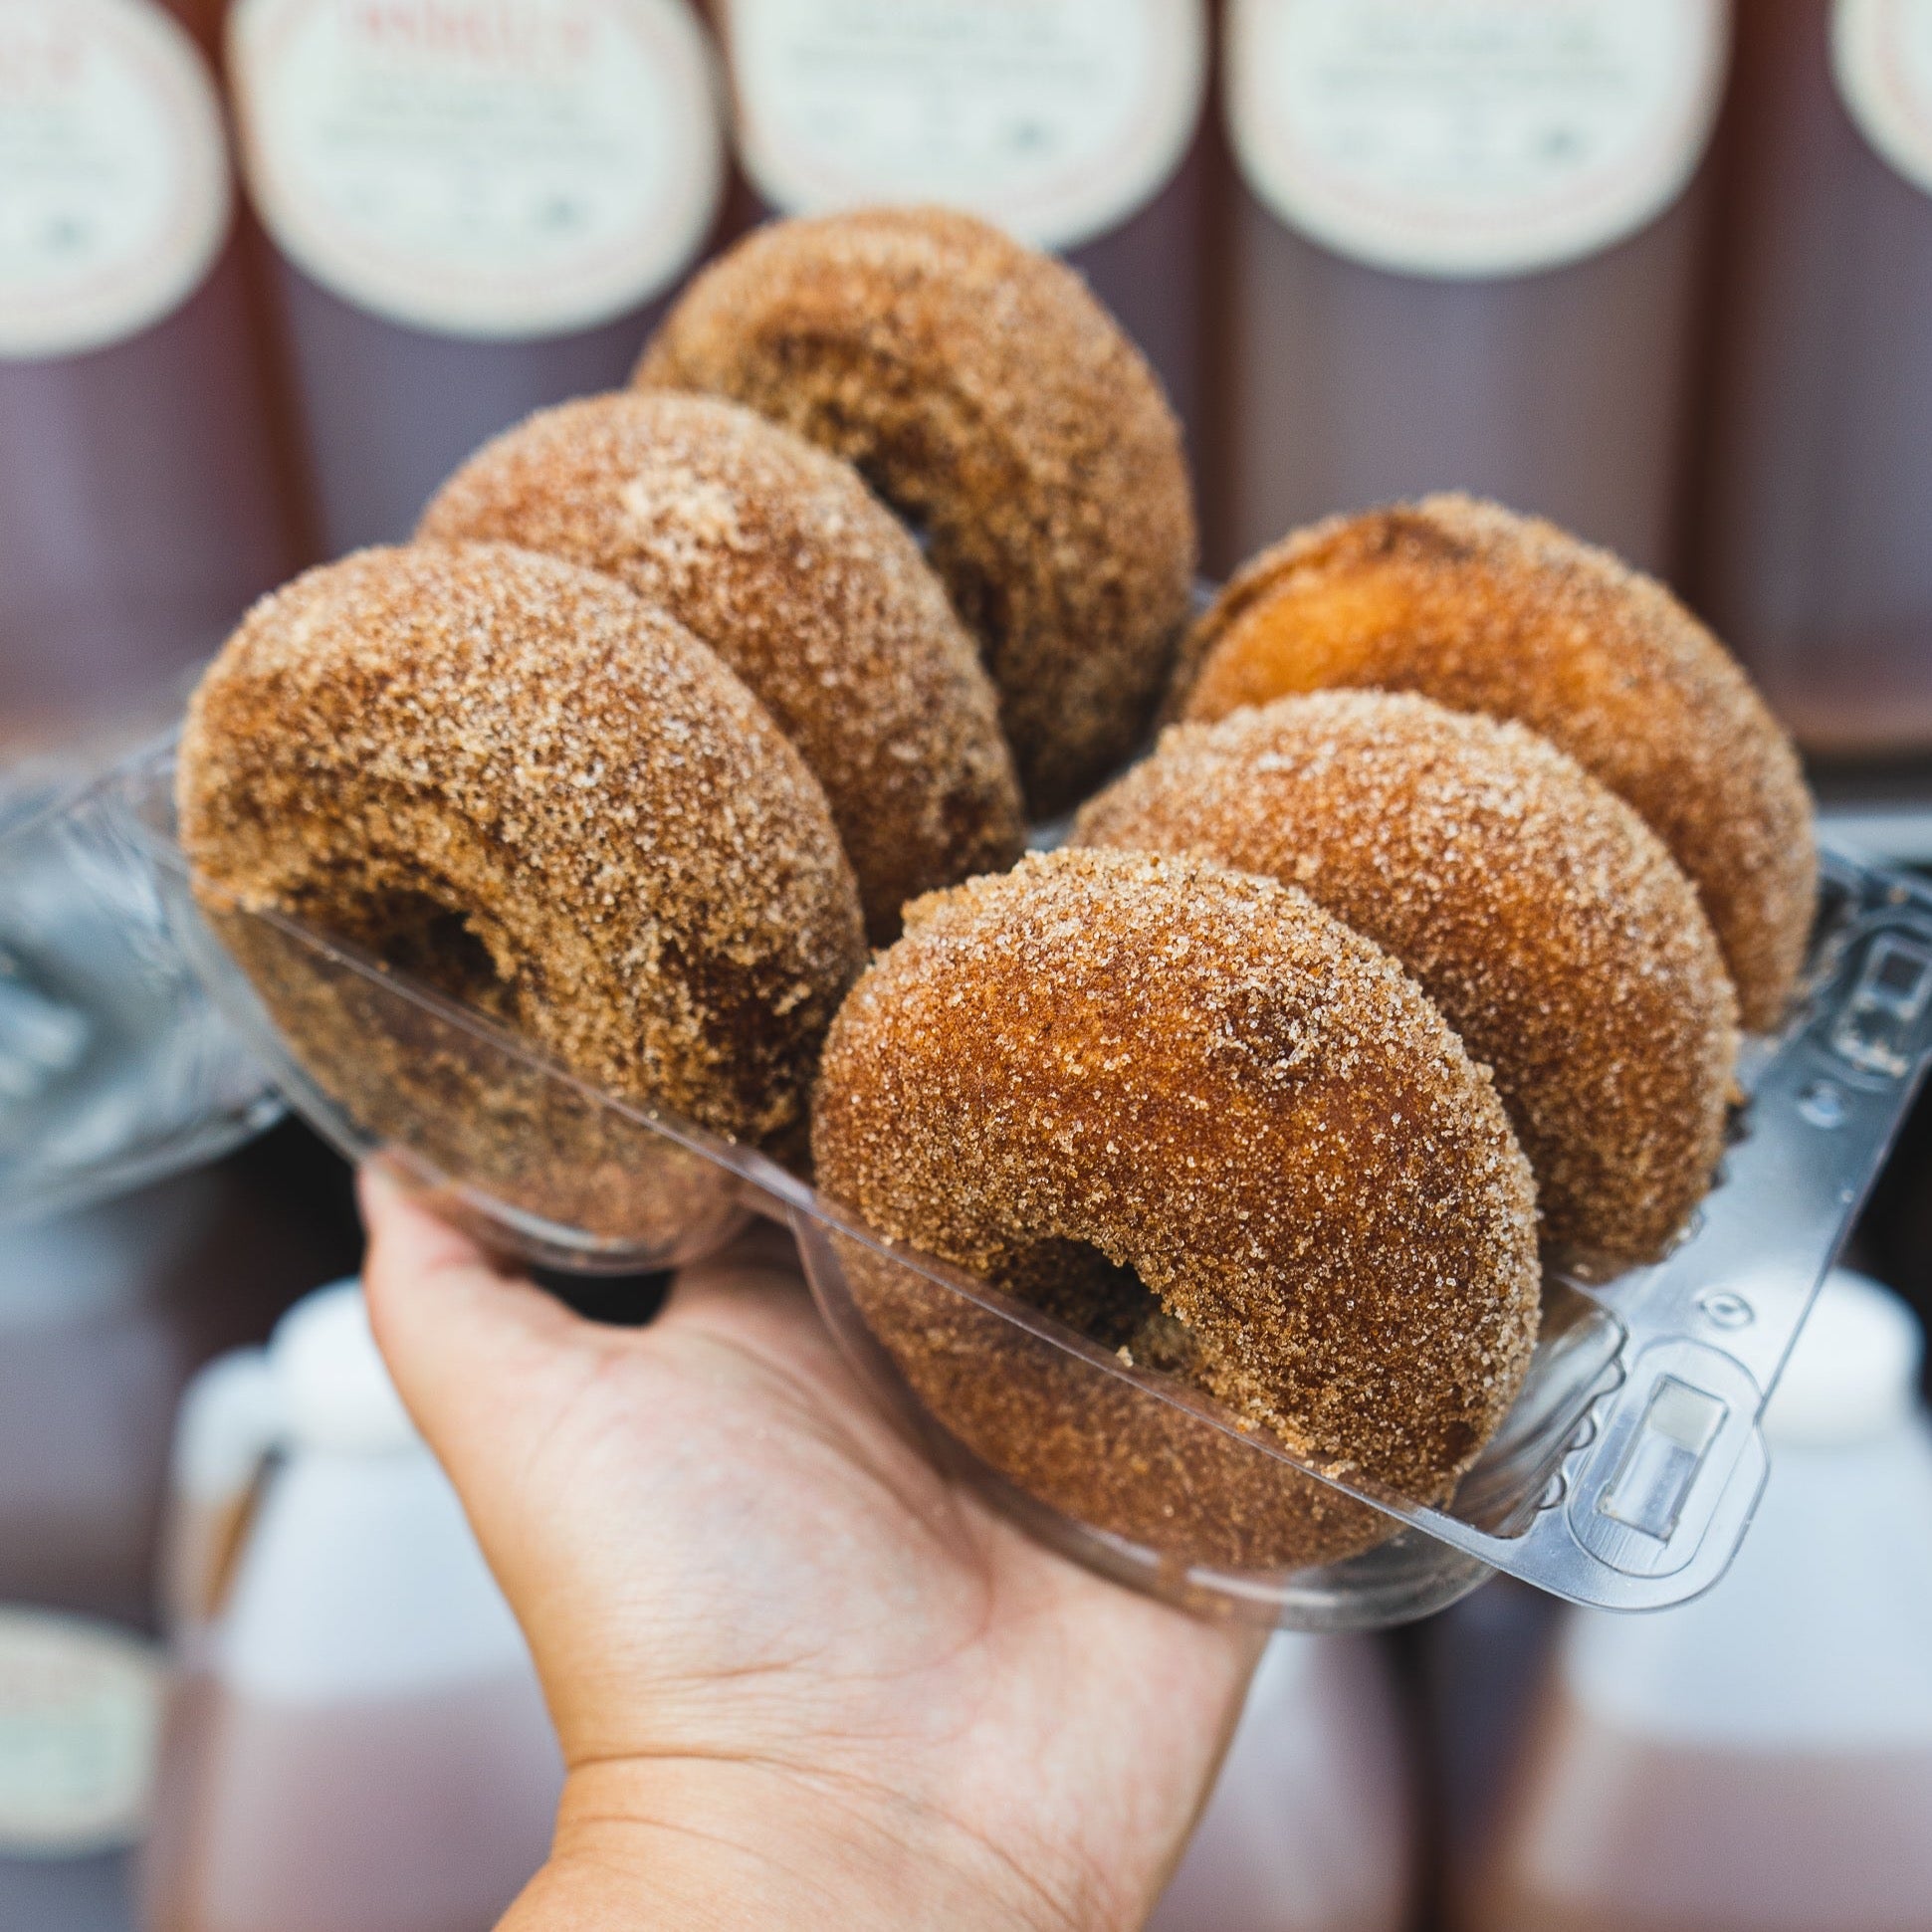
<point>512,778</point>
<point>991,400</point>
<point>1485,610</point>
<point>780,558</point>
<point>1537,910</point>
<point>1106,1061</point>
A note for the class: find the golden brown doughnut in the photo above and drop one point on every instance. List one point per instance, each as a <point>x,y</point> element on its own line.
<point>1110,1061</point>
<point>1485,610</point>
<point>777,557</point>
<point>994,403</point>
<point>511,776</point>
<point>1538,911</point>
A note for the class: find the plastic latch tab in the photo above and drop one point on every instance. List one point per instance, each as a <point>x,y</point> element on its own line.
<point>1661,1462</point>
<point>1873,1030</point>
<point>1673,1437</point>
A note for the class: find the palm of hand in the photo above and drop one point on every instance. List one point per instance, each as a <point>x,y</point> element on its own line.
<point>770,1632</point>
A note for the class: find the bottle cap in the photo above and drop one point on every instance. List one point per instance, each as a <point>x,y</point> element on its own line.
<point>230,1416</point>
<point>1853,1370</point>
<point>331,1386</point>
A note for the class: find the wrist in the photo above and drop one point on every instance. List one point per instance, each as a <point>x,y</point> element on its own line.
<point>722,1842</point>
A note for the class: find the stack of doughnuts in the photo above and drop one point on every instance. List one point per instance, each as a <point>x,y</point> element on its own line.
<point>664,711</point>
<point>993,403</point>
<point>1530,786</point>
<point>1422,936</point>
<point>781,559</point>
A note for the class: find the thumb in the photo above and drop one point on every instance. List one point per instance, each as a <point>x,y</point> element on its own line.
<point>473,1352</point>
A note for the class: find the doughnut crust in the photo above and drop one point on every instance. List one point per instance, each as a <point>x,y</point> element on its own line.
<point>1112,1061</point>
<point>992,402</point>
<point>510,775</point>
<point>777,557</point>
<point>1485,610</point>
<point>1537,910</point>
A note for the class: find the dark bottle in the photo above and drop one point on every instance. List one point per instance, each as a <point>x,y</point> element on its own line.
<point>480,206</point>
<point>1813,560</point>
<point>141,507</point>
<point>1078,125</point>
<point>1466,257</point>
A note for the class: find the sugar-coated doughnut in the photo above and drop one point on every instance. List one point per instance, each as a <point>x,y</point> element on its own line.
<point>780,558</point>
<point>1107,1062</point>
<point>1486,610</point>
<point>517,779</point>
<point>1537,910</point>
<point>991,401</point>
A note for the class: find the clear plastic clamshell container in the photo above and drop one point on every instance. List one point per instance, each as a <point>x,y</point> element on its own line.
<point>1625,1476</point>
<point>116,1068</point>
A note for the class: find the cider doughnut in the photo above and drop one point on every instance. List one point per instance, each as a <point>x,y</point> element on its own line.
<point>992,402</point>
<point>511,776</point>
<point>1109,1061</point>
<point>777,557</point>
<point>1537,910</point>
<point>1485,610</point>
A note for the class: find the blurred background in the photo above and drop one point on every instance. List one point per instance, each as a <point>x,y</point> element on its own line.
<point>1661,270</point>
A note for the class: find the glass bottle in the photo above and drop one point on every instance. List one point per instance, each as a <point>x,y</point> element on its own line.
<point>1759,1760</point>
<point>479,210</point>
<point>357,1736</point>
<point>1466,256</point>
<point>1812,559</point>
<point>1310,1826</point>
<point>1075,124</point>
<point>141,507</point>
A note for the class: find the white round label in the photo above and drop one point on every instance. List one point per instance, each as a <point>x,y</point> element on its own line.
<point>1472,138</point>
<point>1882,53</point>
<point>114,193</point>
<point>488,168</point>
<point>80,1723</point>
<point>1057,119</point>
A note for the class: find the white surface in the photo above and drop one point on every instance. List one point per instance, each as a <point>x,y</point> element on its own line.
<point>1472,138</point>
<point>1881,58</point>
<point>332,1389</point>
<point>1058,119</point>
<point>361,1581</point>
<point>549,170</point>
<point>1854,1373</point>
<point>1820,1634</point>
<point>115,187</point>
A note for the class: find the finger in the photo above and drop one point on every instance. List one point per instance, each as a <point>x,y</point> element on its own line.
<point>765,1256</point>
<point>751,1291</point>
<point>466,1346</point>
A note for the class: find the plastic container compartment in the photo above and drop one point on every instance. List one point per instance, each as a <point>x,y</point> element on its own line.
<point>115,1068</point>
<point>1625,1476</point>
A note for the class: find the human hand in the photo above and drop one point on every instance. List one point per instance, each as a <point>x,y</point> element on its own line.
<point>799,1676</point>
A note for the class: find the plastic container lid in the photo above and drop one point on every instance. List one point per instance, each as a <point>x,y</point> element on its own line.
<point>331,1383</point>
<point>1853,1370</point>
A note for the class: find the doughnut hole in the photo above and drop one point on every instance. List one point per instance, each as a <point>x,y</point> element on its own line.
<point>1110,1084</point>
<point>418,934</point>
